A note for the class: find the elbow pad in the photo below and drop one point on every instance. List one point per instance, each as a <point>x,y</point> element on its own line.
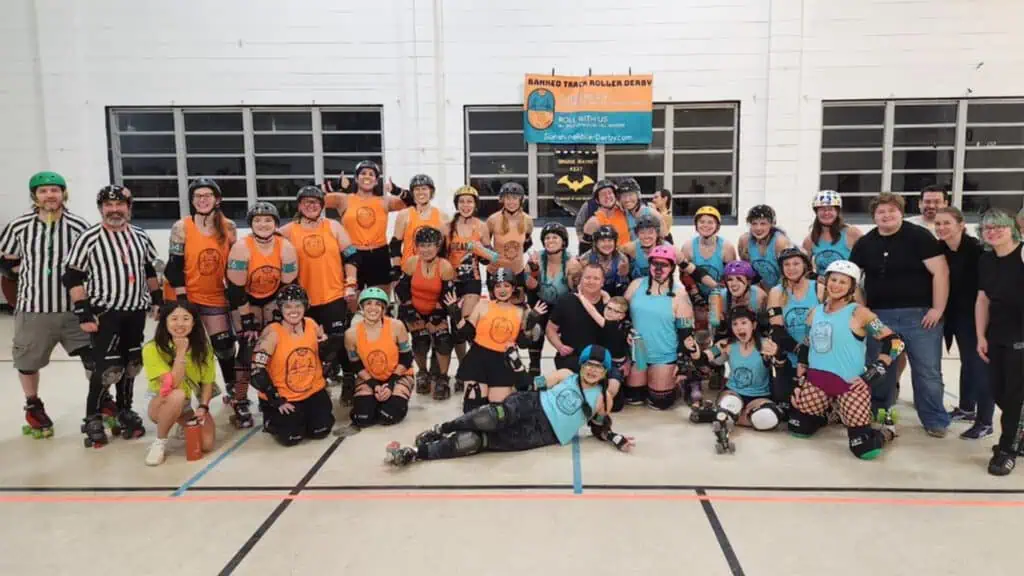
<point>699,273</point>
<point>351,256</point>
<point>405,358</point>
<point>236,295</point>
<point>783,339</point>
<point>404,288</point>
<point>150,270</point>
<point>7,266</point>
<point>174,272</point>
<point>395,247</point>
<point>73,277</point>
<point>600,426</point>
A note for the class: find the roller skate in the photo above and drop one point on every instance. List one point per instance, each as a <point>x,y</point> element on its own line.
<point>459,386</point>
<point>39,423</point>
<point>704,413</point>
<point>691,390</point>
<point>108,409</point>
<point>95,433</point>
<point>423,383</point>
<point>229,393</point>
<point>886,421</point>
<point>721,427</point>
<point>442,390</point>
<point>399,456</point>
<point>242,418</point>
<point>428,436</point>
<point>131,424</point>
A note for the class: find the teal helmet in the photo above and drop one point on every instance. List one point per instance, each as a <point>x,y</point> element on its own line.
<point>373,293</point>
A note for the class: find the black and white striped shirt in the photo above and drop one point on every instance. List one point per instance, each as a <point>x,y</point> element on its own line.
<point>116,265</point>
<point>43,248</point>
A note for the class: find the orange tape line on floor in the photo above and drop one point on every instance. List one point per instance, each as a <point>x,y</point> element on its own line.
<point>503,496</point>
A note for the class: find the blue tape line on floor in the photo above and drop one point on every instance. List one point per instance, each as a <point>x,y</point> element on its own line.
<point>577,471</point>
<point>199,475</point>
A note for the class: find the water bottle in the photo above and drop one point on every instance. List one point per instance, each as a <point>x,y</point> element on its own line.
<point>639,351</point>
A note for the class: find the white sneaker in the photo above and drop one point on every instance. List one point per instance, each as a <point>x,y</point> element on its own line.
<point>157,453</point>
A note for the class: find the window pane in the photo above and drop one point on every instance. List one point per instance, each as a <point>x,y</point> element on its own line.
<point>922,160</point>
<point>166,166</point>
<point>216,166</point>
<point>866,138</point>
<point>145,122</point>
<point>982,158</point>
<point>862,205</point>
<point>342,120</point>
<point>498,165</point>
<point>280,121</point>
<point>993,181</point>
<point>551,208</point>
<point>367,143</point>
<point>714,140</point>
<point>914,182</point>
<point>153,189</point>
<point>631,163</point>
<point>497,143</point>
<point>995,136</point>
<point>236,210</point>
<point>286,188</point>
<point>687,207</point>
<point>986,112</point>
<point>835,161</point>
<point>163,212</point>
<point>703,117</point>
<point>335,165</point>
<point>215,144</point>
<point>511,119</point>
<point>488,187</point>
<point>979,204</point>
<point>147,144</point>
<point>926,114</point>
<point>284,143</point>
<point>702,163</point>
<point>213,121</point>
<point>702,185</point>
<point>924,136</point>
<point>658,117</point>
<point>232,188</point>
<point>657,143</point>
<point>284,165</point>
<point>851,182</point>
<point>854,115</point>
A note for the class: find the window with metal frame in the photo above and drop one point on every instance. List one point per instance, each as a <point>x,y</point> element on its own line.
<point>254,153</point>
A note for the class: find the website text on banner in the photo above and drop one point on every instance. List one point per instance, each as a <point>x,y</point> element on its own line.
<point>588,109</point>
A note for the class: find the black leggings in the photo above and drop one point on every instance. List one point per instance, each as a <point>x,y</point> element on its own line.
<point>312,418</point>
<point>1006,370</point>
<point>334,318</point>
<point>517,424</point>
<point>537,346</point>
<point>117,355</point>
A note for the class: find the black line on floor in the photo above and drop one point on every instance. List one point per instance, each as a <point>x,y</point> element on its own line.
<point>723,540</point>
<point>272,518</point>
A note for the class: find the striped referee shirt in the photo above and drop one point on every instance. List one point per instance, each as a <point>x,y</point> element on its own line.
<point>43,249</point>
<point>116,265</point>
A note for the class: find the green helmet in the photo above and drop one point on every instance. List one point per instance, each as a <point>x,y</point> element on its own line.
<point>45,179</point>
<point>373,293</point>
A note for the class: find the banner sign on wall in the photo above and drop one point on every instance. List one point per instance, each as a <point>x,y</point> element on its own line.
<point>588,109</point>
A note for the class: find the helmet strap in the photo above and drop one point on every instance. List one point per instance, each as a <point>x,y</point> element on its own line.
<point>263,239</point>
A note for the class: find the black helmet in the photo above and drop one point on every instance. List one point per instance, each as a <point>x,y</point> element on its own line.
<point>428,235</point>
<point>647,220</point>
<point>557,229</point>
<point>422,180</point>
<point>113,193</point>
<point>794,252</point>
<point>310,192</point>
<point>606,232</point>
<point>205,183</point>
<point>511,189</point>
<point>368,164</point>
<point>292,293</point>
<point>742,312</point>
<point>628,185</point>
<point>761,211</point>
<point>263,208</point>
<point>502,275</point>
<point>605,183</point>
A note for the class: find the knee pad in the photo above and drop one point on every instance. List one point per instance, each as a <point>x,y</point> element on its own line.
<point>320,433</point>
<point>803,425</point>
<point>288,440</point>
<point>473,398</point>
<point>223,345</point>
<point>634,394</point>
<point>421,343</point>
<point>865,442</point>
<point>393,410</point>
<point>731,405</point>
<point>364,411</point>
<point>661,399</point>
<point>444,343</point>
<point>457,444</point>
<point>28,372</point>
<point>765,417</point>
<point>111,374</point>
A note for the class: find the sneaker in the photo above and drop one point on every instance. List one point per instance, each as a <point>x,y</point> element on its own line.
<point>157,453</point>
<point>936,432</point>
<point>977,432</point>
<point>1002,463</point>
<point>959,415</point>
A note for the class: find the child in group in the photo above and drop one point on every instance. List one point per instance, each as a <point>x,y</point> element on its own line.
<point>615,328</point>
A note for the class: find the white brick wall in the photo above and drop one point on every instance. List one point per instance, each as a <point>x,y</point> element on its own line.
<point>424,60</point>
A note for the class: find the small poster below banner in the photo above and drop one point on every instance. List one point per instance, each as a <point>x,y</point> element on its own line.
<point>576,173</point>
<point>588,109</point>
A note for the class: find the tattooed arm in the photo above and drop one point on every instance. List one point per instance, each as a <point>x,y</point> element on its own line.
<point>174,272</point>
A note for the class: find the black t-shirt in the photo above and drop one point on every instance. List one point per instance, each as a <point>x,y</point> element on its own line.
<point>1001,280</point>
<point>614,338</point>
<point>577,328</point>
<point>894,272</point>
<point>963,276</point>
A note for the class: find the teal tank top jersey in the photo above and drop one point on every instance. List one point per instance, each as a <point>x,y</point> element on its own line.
<point>551,288</point>
<point>563,405</point>
<point>748,376</point>
<point>727,304</point>
<point>641,266</point>
<point>834,347</point>
<point>653,319</point>
<point>824,252</point>
<point>795,312</point>
<point>714,265</point>
<point>766,263</point>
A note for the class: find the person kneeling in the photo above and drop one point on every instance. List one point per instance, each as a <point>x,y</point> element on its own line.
<point>380,352</point>
<point>286,370</point>
<point>552,413</point>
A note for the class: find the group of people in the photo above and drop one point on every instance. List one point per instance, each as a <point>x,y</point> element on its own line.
<point>782,333</point>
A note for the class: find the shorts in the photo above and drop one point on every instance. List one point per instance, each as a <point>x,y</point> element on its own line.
<point>37,334</point>
<point>474,286</point>
<point>185,408</point>
<point>310,415</point>
<point>332,316</point>
<point>486,367</point>
<point>374,267</point>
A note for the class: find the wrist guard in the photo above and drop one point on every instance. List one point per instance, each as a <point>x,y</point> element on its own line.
<point>874,372</point>
<point>83,309</point>
<point>156,297</point>
<point>249,323</point>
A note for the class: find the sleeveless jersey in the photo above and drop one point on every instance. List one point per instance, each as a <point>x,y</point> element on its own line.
<point>641,266</point>
<point>264,276</point>
<point>205,267</point>
<point>824,252</point>
<point>380,356</point>
<point>319,257</point>
<point>366,221</point>
<point>509,247</point>
<point>426,290</point>
<point>748,376</point>
<point>295,365</point>
<point>499,327</point>
<point>413,224</point>
<point>654,321</point>
<point>794,314</point>
<point>563,406</point>
<point>765,262</point>
<point>458,248</point>
<point>617,221</point>
<point>614,284</point>
<point>834,347</point>
<point>551,288</point>
<point>715,265</point>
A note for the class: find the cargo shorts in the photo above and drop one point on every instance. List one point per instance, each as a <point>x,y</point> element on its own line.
<point>37,334</point>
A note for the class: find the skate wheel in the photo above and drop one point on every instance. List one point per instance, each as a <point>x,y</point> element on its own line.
<point>26,429</point>
<point>48,433</point>
<point>719,449</point>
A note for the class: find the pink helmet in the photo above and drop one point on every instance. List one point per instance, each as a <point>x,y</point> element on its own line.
<point>662,252</point>
<point>739,268</point>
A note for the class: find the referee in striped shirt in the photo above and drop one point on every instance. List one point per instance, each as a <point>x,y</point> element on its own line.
<point>34,247</point>
<point>113,283</point>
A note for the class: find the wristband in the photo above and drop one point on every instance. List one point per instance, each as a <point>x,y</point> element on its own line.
<point>167,384</point>
<point>204,407</point>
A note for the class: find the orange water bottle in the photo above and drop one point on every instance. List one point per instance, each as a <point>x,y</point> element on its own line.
<point>193,440</point>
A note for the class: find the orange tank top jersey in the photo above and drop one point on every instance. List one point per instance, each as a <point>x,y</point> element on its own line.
<point>264,270</point>
<point>319,258</point>
<point>366,221</point>
<point>498,327</point>
<point>380,356</point>
<point>618,221</point>
<point>205,267</point>
<point>426,291</point>
<point>509,246</point>
<point>414,223</point>
<point>295,367</point>
<point>458,247</point>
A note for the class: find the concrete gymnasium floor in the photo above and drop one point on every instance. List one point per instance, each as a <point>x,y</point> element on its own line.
<point>778,506</point>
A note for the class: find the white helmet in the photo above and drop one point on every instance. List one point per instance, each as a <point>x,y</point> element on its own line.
<point>827,198</point>
<point>846,268</point>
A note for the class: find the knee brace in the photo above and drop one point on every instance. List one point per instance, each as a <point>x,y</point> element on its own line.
<point>731,404</point>
<point>765,417</point>
<point>661,399</point>
<point>473,398</point>
<point>421,343</point>
<point>364,411</point>
<point>804,425</point>
<point>223,345</point>
<point>110,372</point>
<point>444,343</point>
<point>634,394</point>
<point>865,442</point>
<point>393,410</point>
